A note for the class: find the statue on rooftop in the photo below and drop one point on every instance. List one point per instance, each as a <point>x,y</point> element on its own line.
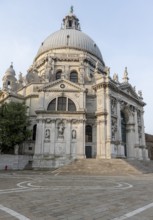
<point>71,9</point>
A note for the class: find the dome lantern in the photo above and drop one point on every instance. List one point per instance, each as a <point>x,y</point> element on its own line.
<point>71,21</point>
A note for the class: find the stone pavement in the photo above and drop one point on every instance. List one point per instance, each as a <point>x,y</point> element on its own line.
<point>43,195</point>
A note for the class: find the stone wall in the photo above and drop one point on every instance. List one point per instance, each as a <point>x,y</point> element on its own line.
<point>149,144</point>
<point>15,162</point>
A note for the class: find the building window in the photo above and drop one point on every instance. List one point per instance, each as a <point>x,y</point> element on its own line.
<point>70,23</point>
<point>58,74</point>
<point>52,105</point>
<point>34,132</point>
<point>74,77</point>
<point>71,106</point>
<point>88,133</point>
<point>61,104</point>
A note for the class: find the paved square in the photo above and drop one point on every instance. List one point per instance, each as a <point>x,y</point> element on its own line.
<point>35,195</point>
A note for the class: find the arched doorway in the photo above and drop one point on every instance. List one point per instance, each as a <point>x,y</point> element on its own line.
<point>123,131</point>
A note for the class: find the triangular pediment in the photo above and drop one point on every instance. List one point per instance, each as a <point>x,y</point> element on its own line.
<point>5,94</point>
<point>61,85</point>
<point>128,89</point>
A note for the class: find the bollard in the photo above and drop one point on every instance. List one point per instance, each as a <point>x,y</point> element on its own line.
<point>6,167</point>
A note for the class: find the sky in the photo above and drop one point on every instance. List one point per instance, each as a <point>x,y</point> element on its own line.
<point>123,31</point>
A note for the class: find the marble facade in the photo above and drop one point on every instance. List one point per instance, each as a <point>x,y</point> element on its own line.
<point>77,110</point>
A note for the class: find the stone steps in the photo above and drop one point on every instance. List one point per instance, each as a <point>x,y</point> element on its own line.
<point>106,167</point>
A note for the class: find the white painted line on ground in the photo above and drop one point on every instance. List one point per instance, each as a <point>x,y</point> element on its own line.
<point>13,213</point>
<point>135,212</point>
<point>123,186</point>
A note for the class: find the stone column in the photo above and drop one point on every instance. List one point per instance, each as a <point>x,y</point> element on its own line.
<point>130,140</point>
<point>98,140</point>
<point>53,136</point>
<point>136,135</point>
<point>101,138</point>
<point>39,137</point>
<point>143,132</point>
<point>102,95</point>
<point>145,150</point>
<point>119,133</point>
<point>81,140</point>
<point>108,125</point>
<point>68,138</point>
<point>120,147</point>
<point>41,100</point>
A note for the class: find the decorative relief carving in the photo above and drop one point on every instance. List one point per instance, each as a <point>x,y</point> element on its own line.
<point>139,117</point>
<point>60,149</point>
<point>48,120</point>
<point>113,106</point>
<point>114,128</point>
<point>140,132</point>
<point>77,95</point>
<point>47,135</point>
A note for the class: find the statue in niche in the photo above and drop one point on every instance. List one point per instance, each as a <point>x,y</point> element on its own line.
<point>47,134</point>
<point>61,130</point>
<point>73,134</point>
<point>114,128</point>
<point>113,106</point>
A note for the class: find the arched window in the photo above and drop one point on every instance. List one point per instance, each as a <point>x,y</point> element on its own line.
<point>61,106</point>
<point>58,74</point>
<point>52,105</point>
<point>88,133</point>
<point>34,132</point>
<point>74,77</point>
<point>71,106</point>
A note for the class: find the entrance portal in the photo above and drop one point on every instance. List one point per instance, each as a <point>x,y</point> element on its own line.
<point>88,152</point>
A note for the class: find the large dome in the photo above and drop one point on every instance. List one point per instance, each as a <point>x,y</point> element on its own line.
<point>70,36</point>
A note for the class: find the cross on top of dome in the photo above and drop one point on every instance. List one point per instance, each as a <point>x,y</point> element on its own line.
<point>71,21</point>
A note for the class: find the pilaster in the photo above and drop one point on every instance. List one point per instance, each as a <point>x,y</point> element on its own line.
<point>81,140</point>
<point>108,124</point>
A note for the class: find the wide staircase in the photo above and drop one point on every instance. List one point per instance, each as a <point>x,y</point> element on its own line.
<point>106,167</point>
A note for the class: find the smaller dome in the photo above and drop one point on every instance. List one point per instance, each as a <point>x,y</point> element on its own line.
<point>10,71</point>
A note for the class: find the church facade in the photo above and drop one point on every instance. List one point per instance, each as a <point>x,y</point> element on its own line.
<point>77,110</point>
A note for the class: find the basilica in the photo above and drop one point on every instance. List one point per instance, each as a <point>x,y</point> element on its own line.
<point>76,108</point>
